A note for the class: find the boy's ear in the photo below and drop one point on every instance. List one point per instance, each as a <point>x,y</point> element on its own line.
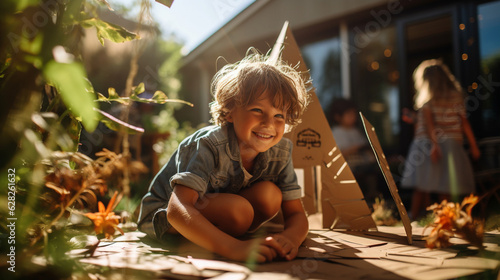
<point>229,117</point>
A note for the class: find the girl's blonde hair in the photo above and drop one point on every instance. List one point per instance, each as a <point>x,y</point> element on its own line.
<point>238,84</point>
<point>435,82</point>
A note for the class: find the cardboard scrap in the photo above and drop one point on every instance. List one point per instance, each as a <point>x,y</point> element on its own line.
<point>188,270</point>
<point>390,237</point>
<point>133,261</point>
<point>423,252</point>
<point>310,268</point>
<point>319,247</point>
<point>387,264</point>
<point>472,262</point>
<point>231,276</point>
<point>130,236</point>
<point>415,260</point>
<point>389,269</point>
<point>359,253</point>
<point>445,273</point>
<point>403,250</point>
<point>202,264</point>
<point>352,240</point>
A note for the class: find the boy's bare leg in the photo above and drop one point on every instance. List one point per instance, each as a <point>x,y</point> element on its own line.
<point>265,198</point>
<point>235,214</point>
<point>230,213</point>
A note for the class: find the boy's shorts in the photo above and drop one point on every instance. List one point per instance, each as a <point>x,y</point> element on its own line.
<point>156,225</point>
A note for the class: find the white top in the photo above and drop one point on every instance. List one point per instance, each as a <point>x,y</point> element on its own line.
<point>348,137</point>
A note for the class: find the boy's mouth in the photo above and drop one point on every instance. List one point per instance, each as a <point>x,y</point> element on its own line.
<point>263,135</point>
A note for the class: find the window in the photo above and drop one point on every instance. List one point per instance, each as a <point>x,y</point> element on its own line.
<point>489,50</point>
<point>375,81</point>
<point>323,60</point>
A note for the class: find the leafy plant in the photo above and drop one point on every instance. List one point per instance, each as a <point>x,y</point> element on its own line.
<point>166,122</point>
<point>47,99</point>
<point>383,215</point>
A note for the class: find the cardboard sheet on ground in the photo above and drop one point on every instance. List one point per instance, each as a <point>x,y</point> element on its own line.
<point>325,254</point>
<point>342,201</point>
<point>384,166</point>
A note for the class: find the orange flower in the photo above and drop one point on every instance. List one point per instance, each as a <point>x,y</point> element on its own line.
<point>106,221</point>
<point>470,201</point>
<point>454,219</point>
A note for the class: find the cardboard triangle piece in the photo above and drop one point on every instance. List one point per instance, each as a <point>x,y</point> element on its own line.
<point>315,150</point>
<point>384,166</point>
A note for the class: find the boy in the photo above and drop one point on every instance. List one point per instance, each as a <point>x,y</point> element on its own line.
<point>229,179</point>
<point>356,149</point>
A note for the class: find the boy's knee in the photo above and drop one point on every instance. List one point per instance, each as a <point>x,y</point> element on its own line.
<point>270,199</point>
<point>239,219</point>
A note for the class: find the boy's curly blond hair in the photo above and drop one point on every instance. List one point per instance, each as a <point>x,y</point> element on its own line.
<point>240,83</point>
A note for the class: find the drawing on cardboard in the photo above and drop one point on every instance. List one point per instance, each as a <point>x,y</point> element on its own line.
<point>329,182</point>
<point>308,138</point>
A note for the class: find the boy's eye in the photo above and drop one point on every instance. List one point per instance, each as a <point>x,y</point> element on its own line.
<point>281,116</point>
<point>256,110</point>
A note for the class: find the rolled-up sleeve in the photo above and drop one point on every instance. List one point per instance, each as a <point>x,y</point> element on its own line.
<point>288,182</point>
<point>194,165</point>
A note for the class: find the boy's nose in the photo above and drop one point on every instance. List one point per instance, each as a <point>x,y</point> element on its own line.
<point>267,120</point>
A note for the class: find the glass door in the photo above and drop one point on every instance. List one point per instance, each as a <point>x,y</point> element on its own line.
<point>429,35</point>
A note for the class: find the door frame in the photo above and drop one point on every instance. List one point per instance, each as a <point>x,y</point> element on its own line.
<point>405,100</point>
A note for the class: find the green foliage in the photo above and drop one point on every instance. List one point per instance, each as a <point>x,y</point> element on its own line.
<point>23,4</point>
<point>114,124</point>
<point>159,97</point>
<point>426,221</point>
<point>106,30</point>
<point>46,97</point>
<point>41,58</point>
<point>166,122</point>
<point>70,80</point>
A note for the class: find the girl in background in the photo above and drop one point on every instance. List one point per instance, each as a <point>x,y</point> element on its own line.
<point>437,161</point>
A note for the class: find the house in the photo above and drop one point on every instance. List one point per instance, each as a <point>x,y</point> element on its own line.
<point>366,50</point>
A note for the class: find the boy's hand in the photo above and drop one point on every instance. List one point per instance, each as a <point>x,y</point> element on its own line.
<point>260,250</point>
<point>288,249</point>
<point>265,250</point>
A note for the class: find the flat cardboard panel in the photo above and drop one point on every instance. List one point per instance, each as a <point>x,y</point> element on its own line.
<point>314,145</point>
<point>384,166</point>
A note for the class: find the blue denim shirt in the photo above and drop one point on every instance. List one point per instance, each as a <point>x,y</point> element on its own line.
<point>209,161</point>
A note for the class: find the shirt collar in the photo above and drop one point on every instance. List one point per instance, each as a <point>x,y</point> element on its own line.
<point>233,150</point>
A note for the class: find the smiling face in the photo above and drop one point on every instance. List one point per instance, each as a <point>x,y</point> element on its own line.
<point>258,126</point>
